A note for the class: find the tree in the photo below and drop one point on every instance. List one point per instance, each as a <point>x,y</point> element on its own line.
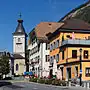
<point>4,65</point>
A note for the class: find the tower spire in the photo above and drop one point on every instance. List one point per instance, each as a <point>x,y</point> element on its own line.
<point>20,15</point>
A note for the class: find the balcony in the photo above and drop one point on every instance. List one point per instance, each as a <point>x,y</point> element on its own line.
<point>76,41</point>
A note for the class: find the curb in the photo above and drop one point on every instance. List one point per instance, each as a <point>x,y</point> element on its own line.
<point>12,81</point>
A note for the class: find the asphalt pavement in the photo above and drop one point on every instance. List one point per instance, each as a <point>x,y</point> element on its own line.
<point>36,86</point>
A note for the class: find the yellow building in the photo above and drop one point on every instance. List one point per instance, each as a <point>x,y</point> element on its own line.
<point>65,45</point>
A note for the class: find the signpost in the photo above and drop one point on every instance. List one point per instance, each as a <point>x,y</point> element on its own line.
<point>80,72</point>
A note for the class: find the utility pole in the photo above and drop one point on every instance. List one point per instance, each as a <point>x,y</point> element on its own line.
<point>80,66</point>
<point>41,58</point>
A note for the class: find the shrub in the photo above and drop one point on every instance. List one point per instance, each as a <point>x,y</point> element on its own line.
<point>7,78</point>
<point>55,82</point>
<point>63,83</point>
<point>59,82</point>
<point>42,81</point>
<point>48,81</point>
<point>33,79</point>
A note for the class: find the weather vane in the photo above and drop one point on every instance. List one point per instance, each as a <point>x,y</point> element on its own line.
<point>20,15</point>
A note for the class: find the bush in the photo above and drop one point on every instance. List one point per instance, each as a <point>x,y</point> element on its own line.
<point>48,81</point>
<point>42,81</point>
<point>59,82</point>
<point>55,82</point>
<point>63,83</point>
<point>7,78</point>
<point>33,79</point>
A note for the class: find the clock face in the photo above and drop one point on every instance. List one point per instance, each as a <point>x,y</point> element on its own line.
<point>19,47</point>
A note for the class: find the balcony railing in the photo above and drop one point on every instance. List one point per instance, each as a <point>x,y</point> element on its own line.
<point>76,41</point>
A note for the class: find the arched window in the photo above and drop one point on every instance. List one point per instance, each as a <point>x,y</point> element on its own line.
<point>19,40</point>
<point>16,67</point>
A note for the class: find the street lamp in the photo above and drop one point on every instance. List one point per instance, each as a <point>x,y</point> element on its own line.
<point>80,66</point>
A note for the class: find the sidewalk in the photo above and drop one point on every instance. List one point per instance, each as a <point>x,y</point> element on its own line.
<point>12,81</point>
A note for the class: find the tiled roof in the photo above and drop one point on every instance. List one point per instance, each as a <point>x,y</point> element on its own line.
<point>76,24</point>
<point>46,27</point>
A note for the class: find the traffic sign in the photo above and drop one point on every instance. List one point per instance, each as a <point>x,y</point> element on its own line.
<point>80,71</point>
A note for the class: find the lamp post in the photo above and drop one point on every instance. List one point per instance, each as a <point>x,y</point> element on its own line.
<point>80,66</point>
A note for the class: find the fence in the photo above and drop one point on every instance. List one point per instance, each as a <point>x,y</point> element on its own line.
<point>85,84</point>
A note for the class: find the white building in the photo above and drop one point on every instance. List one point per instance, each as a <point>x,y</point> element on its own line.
<point>37,57</point>
<point>19,46</point>
<point>39,48</point>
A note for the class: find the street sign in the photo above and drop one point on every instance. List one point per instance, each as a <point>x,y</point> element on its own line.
<point>80,71</point>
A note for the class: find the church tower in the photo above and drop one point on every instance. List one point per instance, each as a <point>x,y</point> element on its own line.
<point>19,48</point>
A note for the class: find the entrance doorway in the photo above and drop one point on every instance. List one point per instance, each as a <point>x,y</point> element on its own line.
<point>62,71</point>
<point>51,73</point>
<point>68,73</point>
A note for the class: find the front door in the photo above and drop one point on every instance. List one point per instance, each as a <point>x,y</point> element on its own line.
<point>68,73</point>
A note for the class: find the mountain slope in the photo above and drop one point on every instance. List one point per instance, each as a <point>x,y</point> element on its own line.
<point>82,12</point>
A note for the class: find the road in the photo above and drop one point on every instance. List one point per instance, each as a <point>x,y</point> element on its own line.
<point>34,86</point>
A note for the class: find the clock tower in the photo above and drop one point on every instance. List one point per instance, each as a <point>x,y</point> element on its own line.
<point>19,39</point>
<point>19,48</point>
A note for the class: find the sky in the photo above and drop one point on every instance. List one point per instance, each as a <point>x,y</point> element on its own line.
<point>33,12</point>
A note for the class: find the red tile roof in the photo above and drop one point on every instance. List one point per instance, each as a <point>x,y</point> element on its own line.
<point>46,27</point>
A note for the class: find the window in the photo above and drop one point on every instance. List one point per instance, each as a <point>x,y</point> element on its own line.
<point>68,36</point>
<point>33,50</point>
<point>87,72</point>
<point>16,67</point>
<point>36,48</point>
<point>57,44</point>
<point>38,69</point>
<point>76,70</point>
<point>74,53</point>
<point>38,59</point>
<point>51,47</point>
<point>54,45</point>
<point>18,39</point>
<point>47,58</point>
<point>63,38</point>
<point>51,60</point>
<point>46,46</point>
<point>86,54</point>
<point>62,54</point>
<point>57,58</point>
<point>62,71</point>
<point>30,52</point>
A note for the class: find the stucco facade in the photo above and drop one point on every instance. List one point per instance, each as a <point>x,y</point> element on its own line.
<point>21,66</point>
<point>19,48</point>
<point>37,60</point>
<point>70,41</point>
